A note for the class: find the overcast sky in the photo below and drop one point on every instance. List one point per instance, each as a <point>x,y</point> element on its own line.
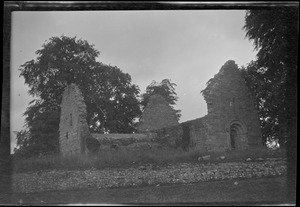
<point>189,47</point>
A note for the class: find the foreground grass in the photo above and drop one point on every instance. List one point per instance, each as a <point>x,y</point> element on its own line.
<point>128,158</point>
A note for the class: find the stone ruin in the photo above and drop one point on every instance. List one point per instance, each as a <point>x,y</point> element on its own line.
<point>73,126</point>
<point>157,114</point>
<point>74,135</point>
<point>232,122</point>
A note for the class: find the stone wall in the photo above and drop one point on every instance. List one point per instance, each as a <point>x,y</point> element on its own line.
<point>170,136</point>
<point>73,126</point>
<point>197,134</point>
<point>232,121</point>
<point>145,175</point>
<point>157,114</point>
<point>128,141</point>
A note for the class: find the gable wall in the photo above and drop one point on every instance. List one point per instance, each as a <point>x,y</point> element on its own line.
<point>73,125</point>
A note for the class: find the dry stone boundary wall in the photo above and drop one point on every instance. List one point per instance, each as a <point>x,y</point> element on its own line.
<point>145,175</point>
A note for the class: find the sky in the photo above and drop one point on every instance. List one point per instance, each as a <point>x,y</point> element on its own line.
<point>186,46</point>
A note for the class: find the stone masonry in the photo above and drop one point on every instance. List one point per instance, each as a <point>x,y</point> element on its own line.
<point>145,175</point>
<point>232,122</point>
<point>157,114</point>
<point>73,126</point>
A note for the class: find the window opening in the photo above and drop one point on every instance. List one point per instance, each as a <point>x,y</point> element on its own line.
<point>71,121</point>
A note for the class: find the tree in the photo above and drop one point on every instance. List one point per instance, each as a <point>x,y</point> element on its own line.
<point>272,77</point>
<point>110,97</point>
<point>166,89</point>
<point>275,36</point>
<point>41,138</point>
<point>269,106</point>
<point>113,101</point>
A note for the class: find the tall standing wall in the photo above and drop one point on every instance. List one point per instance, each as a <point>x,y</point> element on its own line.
<point>73,126</point>
<point>157,114</point>
<point>232,122</point>
<point>232,118</point>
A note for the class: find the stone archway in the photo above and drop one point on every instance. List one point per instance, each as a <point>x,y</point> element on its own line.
<point>238,136</point>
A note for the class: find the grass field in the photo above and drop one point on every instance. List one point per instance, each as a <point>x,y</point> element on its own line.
<point>126,158</point>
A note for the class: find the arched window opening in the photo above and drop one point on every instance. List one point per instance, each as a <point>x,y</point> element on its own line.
<point>71,120</point>
<point>237,135</point>
<point>233,136</point>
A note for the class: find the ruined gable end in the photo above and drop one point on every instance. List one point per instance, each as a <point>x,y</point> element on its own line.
<point>232,116</point>
<point>157,115</point>
<point>73,126</point>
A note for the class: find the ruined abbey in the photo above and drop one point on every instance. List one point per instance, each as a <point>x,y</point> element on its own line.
<point>232,121</point>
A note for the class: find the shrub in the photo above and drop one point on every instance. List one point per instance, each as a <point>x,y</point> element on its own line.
<point>92,144</point>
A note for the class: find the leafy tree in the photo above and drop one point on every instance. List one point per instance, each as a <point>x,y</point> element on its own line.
<point>166,89</point>
<point>23,141</point>
<point>41,138</point>
<point>275,36</point>
<point>110,97</point>
<point>113,101</point>
<point>272,77</point>
<point>269,106</point>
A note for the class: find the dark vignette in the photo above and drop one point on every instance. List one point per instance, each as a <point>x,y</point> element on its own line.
<point>11,6</point>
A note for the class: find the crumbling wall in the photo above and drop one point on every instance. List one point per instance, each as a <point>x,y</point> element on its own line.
<point>170,136</point>
<point>73,126</point>
<point>158,139</point>
<point>157,114</point>
<point>125,141</point>
<point>189,134</point>
<point>198,134</point>
<point>231,123</point>
<point>230,109</point>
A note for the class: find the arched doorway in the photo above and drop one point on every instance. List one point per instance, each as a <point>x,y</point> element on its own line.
<point>238,136</point>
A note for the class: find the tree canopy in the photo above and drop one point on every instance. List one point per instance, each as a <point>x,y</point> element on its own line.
<point>272,76</point>
<point>166,89</point>
<point>111,98</point>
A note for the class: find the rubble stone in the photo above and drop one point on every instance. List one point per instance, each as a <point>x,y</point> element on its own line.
<point>144,175</point>
<point>206,158</point>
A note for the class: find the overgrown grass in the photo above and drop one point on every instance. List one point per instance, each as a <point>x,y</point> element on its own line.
<point>126,158</point>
